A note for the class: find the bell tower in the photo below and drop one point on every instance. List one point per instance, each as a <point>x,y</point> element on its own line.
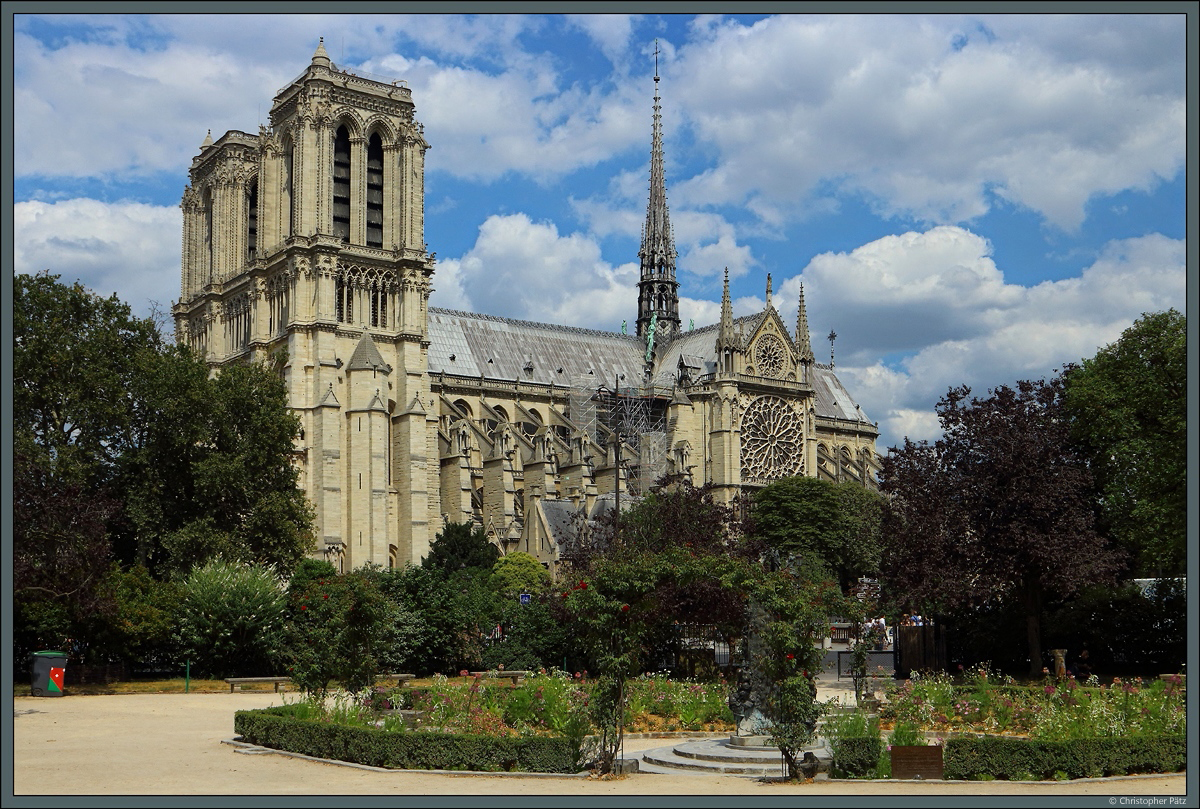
<point>306,242</point>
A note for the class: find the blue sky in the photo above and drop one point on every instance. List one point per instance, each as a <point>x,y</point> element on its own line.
<point>967,199</point>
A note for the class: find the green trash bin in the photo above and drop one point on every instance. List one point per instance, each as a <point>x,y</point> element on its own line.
<point>47,670</point>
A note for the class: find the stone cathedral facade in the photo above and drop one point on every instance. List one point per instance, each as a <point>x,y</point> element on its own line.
<point>304,242</point>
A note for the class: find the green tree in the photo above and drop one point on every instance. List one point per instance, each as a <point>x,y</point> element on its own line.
<point>459,546</point>
<point>230,619</point>
<point>834,525</point>
<point>788,613</point>
<point>342,628</point>
<point>75,358</point>
<point>676,557</point>
<point>142,627</point>
<point>518,572</point>
<point>209,471</point>
<point>1128,408</point>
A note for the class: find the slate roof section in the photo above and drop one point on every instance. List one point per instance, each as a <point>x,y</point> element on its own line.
<point>832,398</point>
<point>514,345</point>
<point>366,356</point>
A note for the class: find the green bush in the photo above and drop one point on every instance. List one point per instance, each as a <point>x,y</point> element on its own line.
<point>231,619</point>
<point>283,728</point>
<point>854,740</point>
<point>857,756</point>
<point>1014,759</point>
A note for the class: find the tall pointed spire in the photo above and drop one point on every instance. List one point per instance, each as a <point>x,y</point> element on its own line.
<point>725,336</point>
<point>769,290</point>
<point>803,343</point>
<point>727,341</point>
<point>658,291</point>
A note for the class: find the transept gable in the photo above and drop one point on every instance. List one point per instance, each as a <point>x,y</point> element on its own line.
<point>770,352</point>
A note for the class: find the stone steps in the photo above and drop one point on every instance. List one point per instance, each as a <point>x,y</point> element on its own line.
<point>720,757</point>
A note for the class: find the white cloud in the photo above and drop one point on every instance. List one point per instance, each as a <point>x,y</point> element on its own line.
<point>610,32</point>
<point>127,248</point>
<point>975,329</point>
<point>524,269</point>
<point>886,105</point>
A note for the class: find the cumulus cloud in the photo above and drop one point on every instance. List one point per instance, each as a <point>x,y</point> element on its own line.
<point>889,106</point>
<point>128,248</point>
<point>965,325</point>
<point>524,269</point>
<point>610,32</point>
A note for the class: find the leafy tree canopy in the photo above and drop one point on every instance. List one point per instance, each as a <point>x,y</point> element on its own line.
<point>460,546</point>
<point>999,508</point>
<point>210,473</point>
<point>833,525</point>
<point>75,358</point>
<point>518,572</point>
<point>1128,408</point>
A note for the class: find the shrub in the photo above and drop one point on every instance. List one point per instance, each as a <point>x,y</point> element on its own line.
<point>283,728</point>
<point>1014,759</point>
<point>230,619</point>
<point>854,740</point>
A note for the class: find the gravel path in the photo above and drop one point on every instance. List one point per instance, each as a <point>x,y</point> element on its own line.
<point>171,744</point>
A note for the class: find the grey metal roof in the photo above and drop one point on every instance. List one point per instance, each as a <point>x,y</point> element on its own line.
<point>699,348</point>
<point>514,345</point>
<point>832,398</point>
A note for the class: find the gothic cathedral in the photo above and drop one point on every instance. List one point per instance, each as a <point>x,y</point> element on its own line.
<point>305,243</point>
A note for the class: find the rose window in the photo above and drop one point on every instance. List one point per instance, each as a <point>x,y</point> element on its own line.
<point>769,354</point>
<point>772,439</point>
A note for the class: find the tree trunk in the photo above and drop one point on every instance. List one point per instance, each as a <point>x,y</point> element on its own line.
<point>1033,623</point>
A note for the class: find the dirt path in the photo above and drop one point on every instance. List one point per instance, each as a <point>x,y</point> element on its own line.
<point>170,744</point>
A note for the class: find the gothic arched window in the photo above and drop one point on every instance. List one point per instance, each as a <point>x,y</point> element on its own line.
<point>252,219</point>
<point>375,191</point>
<point>341,184</point>
<point>289,172</point>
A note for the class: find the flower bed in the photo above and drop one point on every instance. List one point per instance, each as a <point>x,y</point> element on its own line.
<point>541,725</point>
<point>993,728</point>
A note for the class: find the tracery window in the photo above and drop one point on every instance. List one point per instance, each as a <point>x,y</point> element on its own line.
<point>772,439</point>
<point>769,355</point>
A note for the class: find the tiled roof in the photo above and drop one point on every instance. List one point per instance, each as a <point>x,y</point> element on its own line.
<point>501,348</point>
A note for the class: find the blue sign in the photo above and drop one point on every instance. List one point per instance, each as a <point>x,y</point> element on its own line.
<point>525,598</point>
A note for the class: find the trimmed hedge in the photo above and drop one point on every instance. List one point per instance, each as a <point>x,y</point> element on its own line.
<point>968,758</point>
<point>279,729</point>
<point>857,756</point>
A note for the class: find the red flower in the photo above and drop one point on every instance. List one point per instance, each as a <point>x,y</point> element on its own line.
<point>581,586</point>
<point>303,606</point>
<point>791,656</point>
<point>565,595</point>
<point>624,608</point>
<point>326,596</point>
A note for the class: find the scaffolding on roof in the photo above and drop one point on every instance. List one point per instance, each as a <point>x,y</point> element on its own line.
<point>635,412</point>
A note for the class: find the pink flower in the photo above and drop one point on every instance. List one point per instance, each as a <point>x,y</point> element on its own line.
<point>463,673</point>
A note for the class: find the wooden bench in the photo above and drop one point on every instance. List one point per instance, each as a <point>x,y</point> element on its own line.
<point>515,676</point>
<point>236,683</point>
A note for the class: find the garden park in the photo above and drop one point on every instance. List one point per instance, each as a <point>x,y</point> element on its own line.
<point>159,533</point>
